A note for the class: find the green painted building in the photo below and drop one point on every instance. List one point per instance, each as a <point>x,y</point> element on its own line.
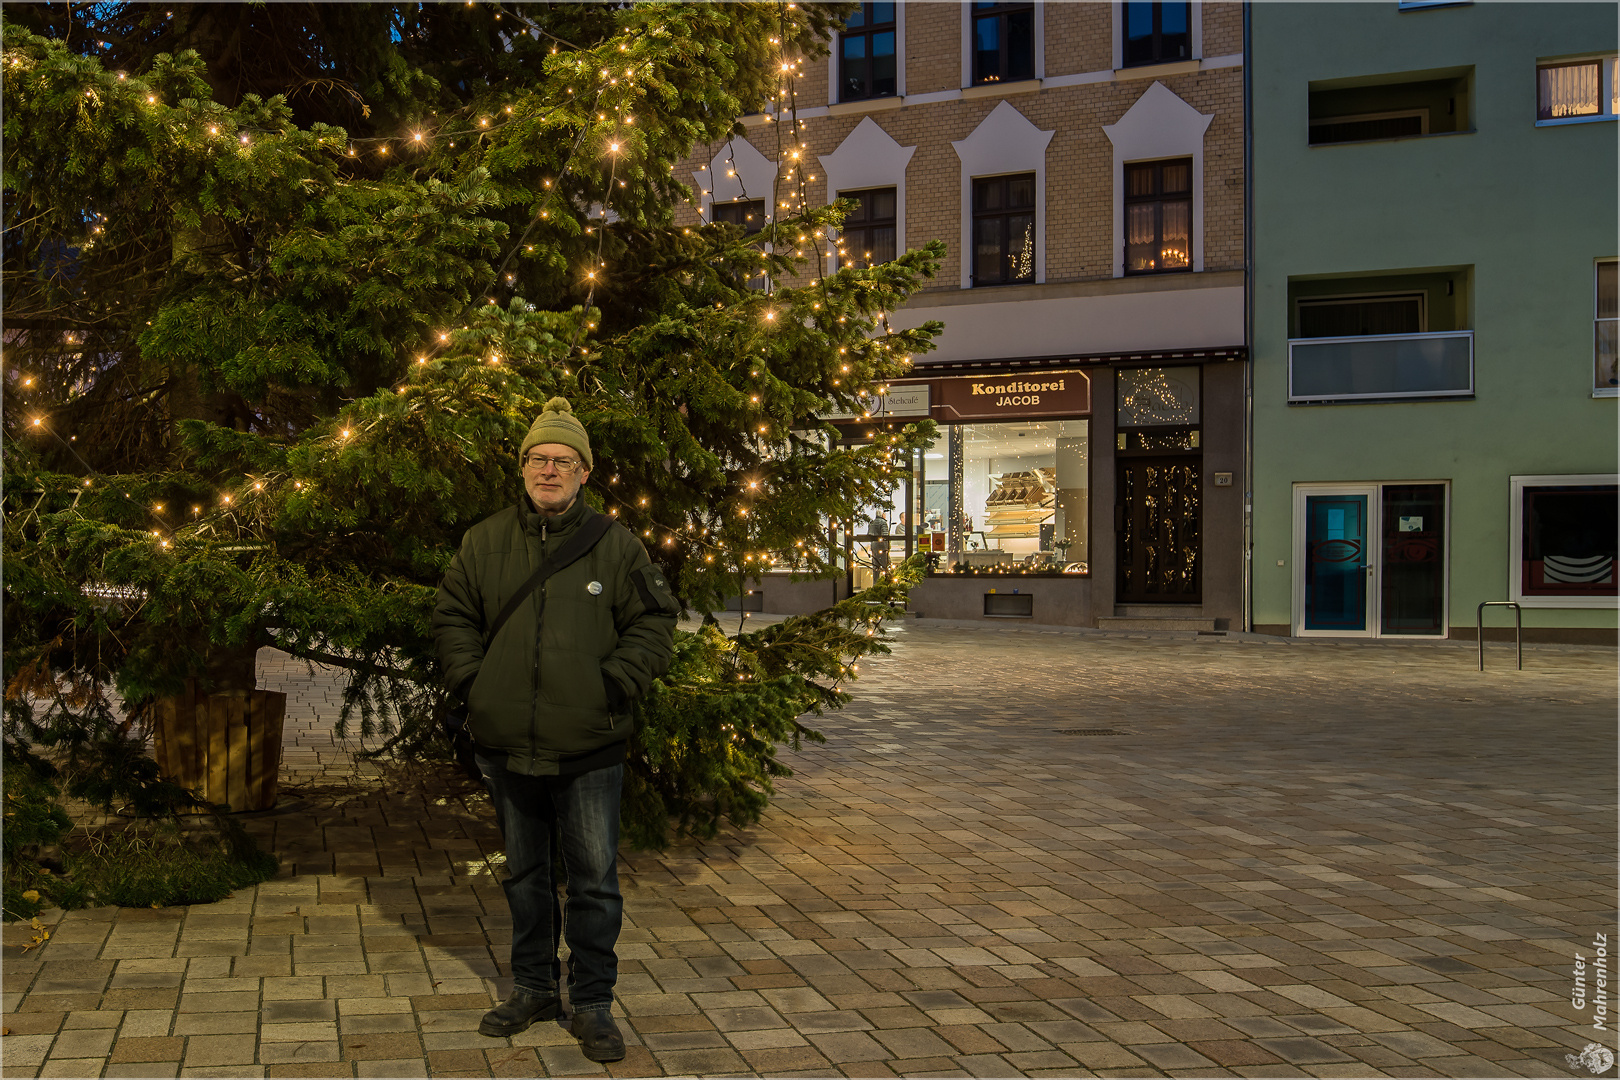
<point>1433,317</point>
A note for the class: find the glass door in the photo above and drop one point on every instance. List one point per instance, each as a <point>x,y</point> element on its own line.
<point>1412,560</point>
<point>1337,585</point>
<point>1370,560</point>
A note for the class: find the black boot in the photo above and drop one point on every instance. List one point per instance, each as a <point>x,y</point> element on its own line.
<point>517,1013</point>
<point>598,1035</point>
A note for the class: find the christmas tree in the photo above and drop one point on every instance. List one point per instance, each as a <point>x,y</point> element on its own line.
<point>285,285</point>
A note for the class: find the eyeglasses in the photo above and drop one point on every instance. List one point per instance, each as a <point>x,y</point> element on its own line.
<point>564,465</point>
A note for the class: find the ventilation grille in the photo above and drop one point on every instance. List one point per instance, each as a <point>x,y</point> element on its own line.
<point>1092,731</point>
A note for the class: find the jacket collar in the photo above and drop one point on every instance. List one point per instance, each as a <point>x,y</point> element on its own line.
<point>564,522</point>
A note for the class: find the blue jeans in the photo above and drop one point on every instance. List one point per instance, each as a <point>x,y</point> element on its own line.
<point>582,811</point>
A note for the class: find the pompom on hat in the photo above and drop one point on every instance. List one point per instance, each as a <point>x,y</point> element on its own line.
<point>557,424</point>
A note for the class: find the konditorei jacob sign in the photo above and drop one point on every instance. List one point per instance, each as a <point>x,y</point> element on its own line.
<point>995,397</point>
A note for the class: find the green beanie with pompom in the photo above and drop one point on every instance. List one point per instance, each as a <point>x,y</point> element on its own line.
<point>557,424</point>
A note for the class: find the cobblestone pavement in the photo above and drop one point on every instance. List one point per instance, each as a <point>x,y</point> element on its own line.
<point>1019,853</point>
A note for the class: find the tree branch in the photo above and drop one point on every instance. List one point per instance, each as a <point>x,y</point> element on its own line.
<point>353,664</point>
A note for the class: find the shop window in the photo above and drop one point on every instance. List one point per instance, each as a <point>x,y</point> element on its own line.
<point>1158,216</point>
<point>1003,42</point>
<point>1578,90</point>
<point>1021,496</point>
<point>1606,380</point>
<point>866,50</point>
<point>869,234</point>
<point>1157,33</point>
<point>1564,540</point>
<point>1004,230</point>
<point>749,213</point>
<point>1395,107</point>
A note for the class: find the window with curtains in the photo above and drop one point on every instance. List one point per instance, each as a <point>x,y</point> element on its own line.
<point>1158,216</point>
<point>1003,42</point>
<point>869,231</point>
<point>1156,33</point>
<point>749,213</point>
<point>1606,379</point>
<point>1004,230</point>
<point>1578,89</point>
<point>1333,316</point>
<point>866,54</point>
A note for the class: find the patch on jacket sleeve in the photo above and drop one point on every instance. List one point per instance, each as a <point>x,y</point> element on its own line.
<point>654,590</point>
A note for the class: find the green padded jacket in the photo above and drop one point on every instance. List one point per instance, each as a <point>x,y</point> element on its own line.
<point>557,681</point>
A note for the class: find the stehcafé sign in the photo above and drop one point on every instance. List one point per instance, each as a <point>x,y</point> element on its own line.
<point>996,397</point>
<point>910,400</point>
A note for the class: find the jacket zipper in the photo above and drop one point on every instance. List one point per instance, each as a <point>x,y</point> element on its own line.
<point>539,618</point>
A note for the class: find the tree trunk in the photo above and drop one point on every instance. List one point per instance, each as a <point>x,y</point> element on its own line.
<point>232,669</point>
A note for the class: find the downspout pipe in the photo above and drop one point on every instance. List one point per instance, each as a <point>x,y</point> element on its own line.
<point>1248,318</point>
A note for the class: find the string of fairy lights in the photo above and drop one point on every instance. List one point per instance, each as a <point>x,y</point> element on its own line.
<point>791,160</point>
<point>614,123</point>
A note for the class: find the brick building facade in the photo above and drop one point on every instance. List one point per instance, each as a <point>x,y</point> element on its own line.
<point>1104,127</point>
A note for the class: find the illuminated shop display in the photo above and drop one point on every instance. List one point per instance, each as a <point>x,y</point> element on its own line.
<point>1003,489</point>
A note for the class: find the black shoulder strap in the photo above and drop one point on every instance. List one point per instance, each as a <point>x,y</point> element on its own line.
<point>592,529</point>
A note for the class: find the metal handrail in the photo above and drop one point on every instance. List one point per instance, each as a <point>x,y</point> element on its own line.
<point>1518,629</point>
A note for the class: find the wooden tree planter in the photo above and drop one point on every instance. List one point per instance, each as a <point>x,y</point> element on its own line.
<point>226,747</point>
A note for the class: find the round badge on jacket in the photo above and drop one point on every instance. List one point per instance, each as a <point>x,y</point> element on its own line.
<point>594,588</point>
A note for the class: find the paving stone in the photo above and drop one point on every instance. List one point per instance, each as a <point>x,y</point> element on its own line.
<point>380,1046</point>
<point>73,1067</point>
<point>25,1051</point>
<point>847,1046</point>
<point>392,1067</point>
<point>219,1050</point>
<point>83,1043</point>
<point>230,1023</point>
<point>784,1061</point>
<point>40,1023</point>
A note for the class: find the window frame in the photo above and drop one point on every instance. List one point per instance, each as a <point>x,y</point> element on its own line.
<point>1000,12</point>
<point>1157,51</point>
<point>1517,486</point>
<point>869,30</point>
<point>1608,65</point>
<point>1597,322</point>
<point>975,215</point>
<point>869,222</point>
<point>741,205</point>
<point>761,280</point>
<point>1302,302</point>
<point>1421,112</point>
<point>1128,200</point>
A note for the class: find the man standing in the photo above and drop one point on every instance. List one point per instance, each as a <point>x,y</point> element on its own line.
<point>548,701</point>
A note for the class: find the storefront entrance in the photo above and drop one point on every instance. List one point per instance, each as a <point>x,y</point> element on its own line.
<point>1159,535</point>
<point>1370,560</point>
<point>1158,492</point>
